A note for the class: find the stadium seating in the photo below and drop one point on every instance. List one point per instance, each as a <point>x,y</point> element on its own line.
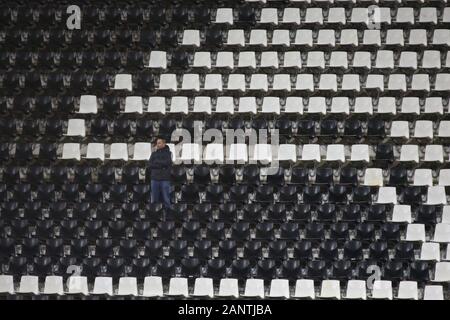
<point>362,178</point>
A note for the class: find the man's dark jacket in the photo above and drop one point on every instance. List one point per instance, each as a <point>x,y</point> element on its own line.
<point>160,164</point>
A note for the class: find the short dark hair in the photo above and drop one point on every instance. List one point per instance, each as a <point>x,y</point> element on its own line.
<point>160,138</point>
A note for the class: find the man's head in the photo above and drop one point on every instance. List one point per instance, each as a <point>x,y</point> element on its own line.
<point>160,143</point>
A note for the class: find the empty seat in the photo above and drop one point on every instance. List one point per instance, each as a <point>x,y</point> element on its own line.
<point>442,272</point>
<point>269,16</point>
<point>95,151</point>
<point>127,286</point>
<point>142,151</point>
<point>236,37</point>
<point>314,15</point>
<point>356,289</point>
<point>423,129</point>
<point>178,287</point>
<point>118,151</point>
<point>405,15</point>
<point>202,59</point>
<point>291,15</point>
<point>330,289</point>
<point>29,284</point>
<point>224,15</point>
<point>281,38</point>
<point>168,81</point>
<point>442,81</point>
<point>430,251</point>
<point>433,292</point>
<point>440,37</point>
<point>415,232</point>
<point>236,82</point>
<point>158,59</point>
<point>76,127</point>
<point>361,59</point>
<point>203,287</point>
<point>304,38</point>
<point>123,82</point>
<point>77,285</point>
<point>409,153</point>
<point>434,153</point>
<point>237,152</point>
<point>431,59</point>
<point>133,104</point>
<point>228,288</point>
<point>71,151</point>
<point>408,290</point>
<point>153,287</point>
<point>399,129</point>
<point>179,105</point>
<point>191,152</point>
<point>191,38</point>
<point>373,177</point>
<point>304,82</point>
<point>88,104</point>
<point>360,152</point>
<point>311,152</point>
<point>53,285</point>
<point>225,104</point>
<point>254,288</point>
<point>418,37</point>
<point>382,289</point>
<point>304,288</point>
<point>385,59</point>
<point>259,82</point>
<point>335,152</point>
<point>349,37</point>
<point>247,105</point>
<point>103,285</point>
<point>213,82</point>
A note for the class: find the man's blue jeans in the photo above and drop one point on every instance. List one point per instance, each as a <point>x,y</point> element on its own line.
<point>161,192</point>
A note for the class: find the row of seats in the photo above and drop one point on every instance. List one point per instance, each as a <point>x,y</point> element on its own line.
<point>349,129</point>
<point>56,38</point>
<point>133,174</point>
<point>340,15</point>
<point>228,175</point>
<point>240,268</point>
<point>432,154</point>
<point>300,82</point>
<point>370,192</point>
<point>217,37</point>
<point>153,13</point>
<point>279,241</point>
<point>144,216</point>
<point>193,230</point>
<point>234,82</point>
<point>383,59</point>
<point>292,105</point>
<point>46,214</point>
<point>136,15</point>
<point>228,288</point>
<point>421,129</point>
<point>328,2</point>
<point>324,37</point>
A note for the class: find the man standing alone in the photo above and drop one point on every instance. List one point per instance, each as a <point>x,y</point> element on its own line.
<point>161,164</point>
